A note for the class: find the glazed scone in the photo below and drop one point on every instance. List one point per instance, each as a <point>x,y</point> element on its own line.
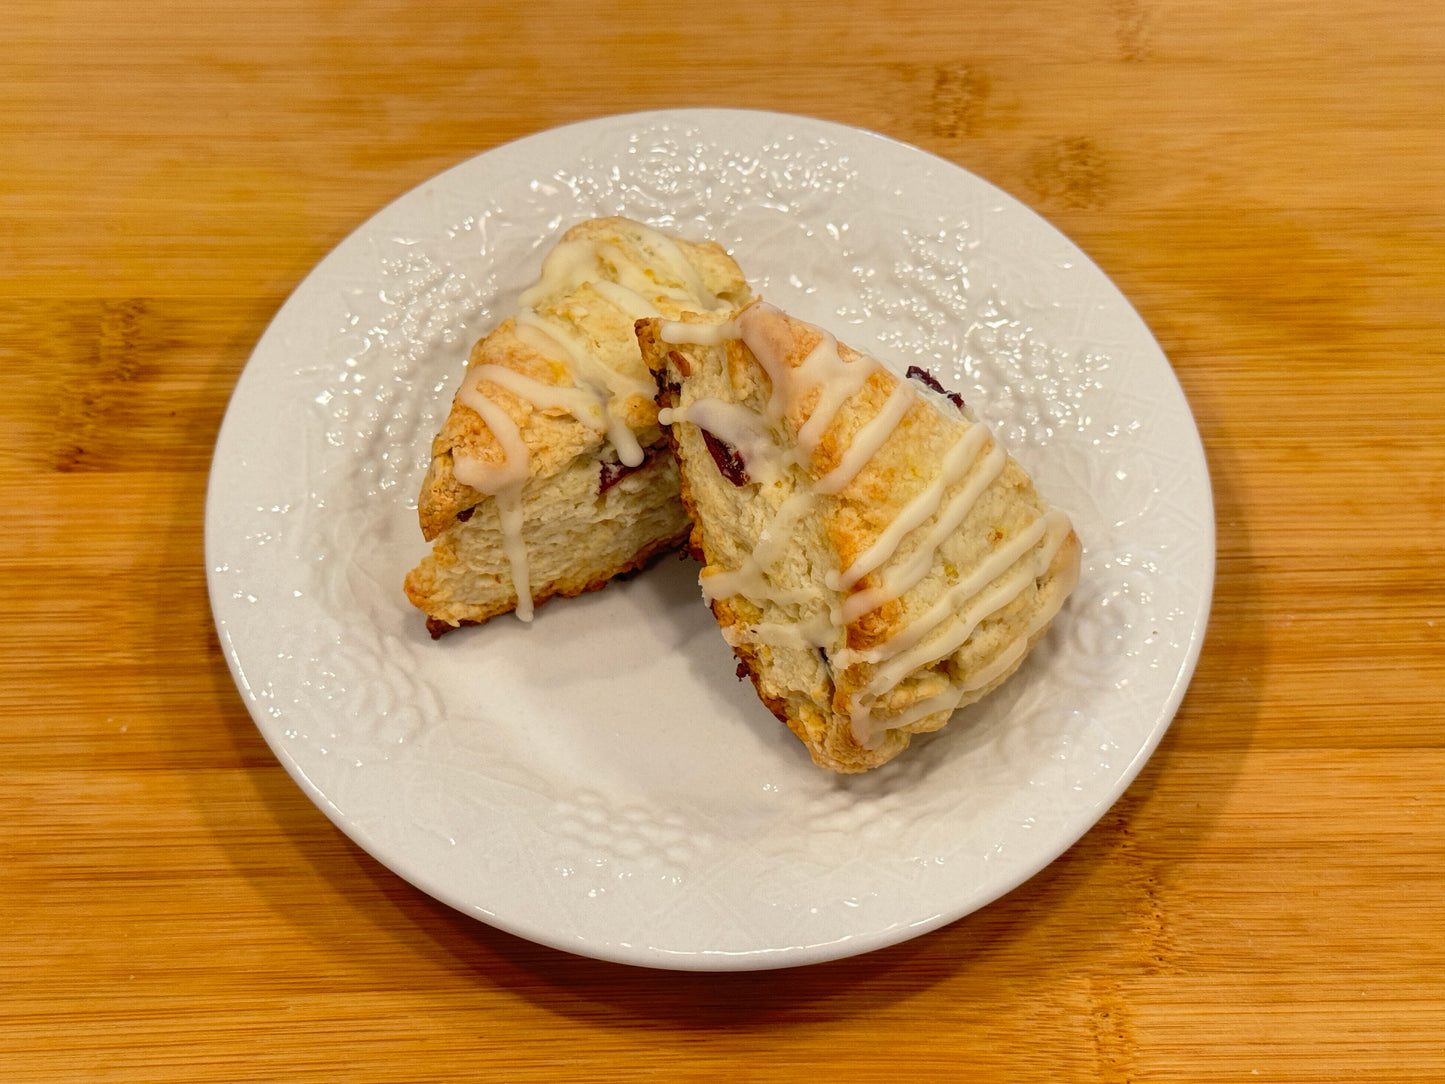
<point>550,475</point>
<point>872,555</point>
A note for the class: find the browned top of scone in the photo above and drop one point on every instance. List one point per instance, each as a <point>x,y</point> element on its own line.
<point>600,277</point>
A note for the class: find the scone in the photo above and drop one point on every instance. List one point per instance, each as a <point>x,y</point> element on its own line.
<point>872,555</point>
<point>550,475</point>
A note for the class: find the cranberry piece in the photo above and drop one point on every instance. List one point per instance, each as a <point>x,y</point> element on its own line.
<point>612,473</point>
<point>924,377</point>
<point>729,462</point>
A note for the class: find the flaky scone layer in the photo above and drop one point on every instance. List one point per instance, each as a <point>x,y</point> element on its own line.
<point>466,579</point>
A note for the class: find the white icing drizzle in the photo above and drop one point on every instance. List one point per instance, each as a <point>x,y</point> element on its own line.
<point>574,401</point>
<point>695,291</point>
<point>564,269</point>
<point>493,478</point>
<point>573,264</point>
<point>899,578</point>
<point>868,440</point>
<point>738,426</point>
<point>509,511</point>
<point>677,332</point>
<point>598,391</point>
<point>974,460</point>
<point>809,633</point>
<point>919,510</point>
<point>598,387</point>
<point>903,661</point>
<point>749,582</point>
<point>775,539</point>
<point>1003,574</point>
<point>503,482</point>
<point>837,382</point>
<point>946,701</point>
<point>602,381</point>
<point>629,301</point>
<point>751,577</point>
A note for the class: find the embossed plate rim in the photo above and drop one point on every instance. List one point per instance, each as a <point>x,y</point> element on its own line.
<point>616,872</point>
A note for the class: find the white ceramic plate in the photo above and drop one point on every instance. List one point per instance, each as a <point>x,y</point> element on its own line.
<point>599,781</point>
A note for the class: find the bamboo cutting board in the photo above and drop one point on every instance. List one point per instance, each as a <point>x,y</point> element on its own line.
<point>1265,182</point>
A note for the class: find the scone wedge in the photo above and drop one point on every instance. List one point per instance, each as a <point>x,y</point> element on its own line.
<point>872,555</point>
<point>550,475</point>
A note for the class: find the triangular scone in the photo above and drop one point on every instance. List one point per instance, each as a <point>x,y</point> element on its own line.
<point>550,475</point>
<point>873,556</point>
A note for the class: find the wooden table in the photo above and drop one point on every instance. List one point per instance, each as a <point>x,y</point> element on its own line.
<point>1264,180</point>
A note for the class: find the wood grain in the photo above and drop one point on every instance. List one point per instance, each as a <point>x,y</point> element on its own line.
<point>1265,181</point>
